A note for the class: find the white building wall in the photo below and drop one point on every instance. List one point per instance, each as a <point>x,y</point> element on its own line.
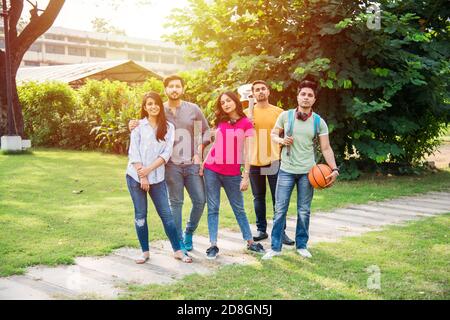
<point>161,57</point>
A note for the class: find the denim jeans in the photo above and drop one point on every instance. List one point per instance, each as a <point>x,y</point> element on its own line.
<point>213,182</point>
<point>258,184</point>
<point>285,185</point>
<point>158,193</point>
<point>178,177</point>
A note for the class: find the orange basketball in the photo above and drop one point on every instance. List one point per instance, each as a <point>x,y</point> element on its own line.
<point>317,174</point>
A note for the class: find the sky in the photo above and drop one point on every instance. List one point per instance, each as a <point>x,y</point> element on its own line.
<point>138,21</point>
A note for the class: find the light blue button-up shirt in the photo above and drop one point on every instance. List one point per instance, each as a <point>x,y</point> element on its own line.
<point>145,149</point>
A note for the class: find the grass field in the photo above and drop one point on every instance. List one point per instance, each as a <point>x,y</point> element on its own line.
<point>56,205</point>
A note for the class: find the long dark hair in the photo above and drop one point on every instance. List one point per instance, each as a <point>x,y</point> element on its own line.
<point>161,122</point>
<point>221,116</point>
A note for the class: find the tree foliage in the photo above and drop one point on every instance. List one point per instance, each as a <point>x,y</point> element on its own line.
<point>384,93</point>
<point>104,26</point>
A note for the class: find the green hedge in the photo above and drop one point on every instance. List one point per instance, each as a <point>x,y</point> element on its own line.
<point>46,107</point>
<point>93,117</point>
<point>96,115</point>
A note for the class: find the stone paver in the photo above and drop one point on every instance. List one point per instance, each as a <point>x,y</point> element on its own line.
<point>107,277</point>
<point>12,289</point>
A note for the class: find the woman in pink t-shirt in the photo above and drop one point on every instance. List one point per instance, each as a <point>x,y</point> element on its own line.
<point>222,168</point>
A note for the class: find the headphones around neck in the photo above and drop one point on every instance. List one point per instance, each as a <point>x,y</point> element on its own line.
<point>303,116</point>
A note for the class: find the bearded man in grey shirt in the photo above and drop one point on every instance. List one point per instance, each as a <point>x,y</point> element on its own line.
<point>192,135</point>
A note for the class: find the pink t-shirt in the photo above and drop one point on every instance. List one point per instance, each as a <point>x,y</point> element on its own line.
<point>227,153</point>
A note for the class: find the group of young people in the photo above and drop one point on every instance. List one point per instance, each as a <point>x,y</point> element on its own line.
<point>166,157</point>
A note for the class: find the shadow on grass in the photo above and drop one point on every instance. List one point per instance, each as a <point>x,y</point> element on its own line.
<point>17,153</point>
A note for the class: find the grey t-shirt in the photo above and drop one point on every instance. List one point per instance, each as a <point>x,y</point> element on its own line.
<point>191,130</point>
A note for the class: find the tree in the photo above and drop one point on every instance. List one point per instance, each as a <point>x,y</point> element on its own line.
<point>103,26</point>
<point>40,22</point>
<point>384,92</point>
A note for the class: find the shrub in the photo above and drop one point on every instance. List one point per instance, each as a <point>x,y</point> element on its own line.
<point>45,106</point>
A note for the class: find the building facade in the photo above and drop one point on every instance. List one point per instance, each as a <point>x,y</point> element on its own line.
<point>67,46</point>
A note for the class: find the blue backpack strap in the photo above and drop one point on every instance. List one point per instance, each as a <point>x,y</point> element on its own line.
<point>316,124</point>
<point>290,128</point>
<point>291,117</point>
<point>317,154</point>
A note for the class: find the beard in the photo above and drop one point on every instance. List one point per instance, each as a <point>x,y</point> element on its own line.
<point>260,98</point>
<point>174,96</point>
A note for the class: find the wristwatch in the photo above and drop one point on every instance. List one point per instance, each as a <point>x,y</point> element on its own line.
<point>335,169</point>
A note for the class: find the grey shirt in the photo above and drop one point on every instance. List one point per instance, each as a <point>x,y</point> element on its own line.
<point>191,130</point>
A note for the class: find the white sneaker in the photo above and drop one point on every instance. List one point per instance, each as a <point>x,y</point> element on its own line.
<point>270,254</point>
<point>304,253</point>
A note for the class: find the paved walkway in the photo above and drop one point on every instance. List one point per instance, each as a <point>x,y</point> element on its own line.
<point>441,156</point>
<point>107,277</point>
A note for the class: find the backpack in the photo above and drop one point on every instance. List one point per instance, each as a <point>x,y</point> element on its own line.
<point>290,130</point>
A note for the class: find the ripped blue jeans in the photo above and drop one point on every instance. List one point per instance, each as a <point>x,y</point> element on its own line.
<point>158,194</point>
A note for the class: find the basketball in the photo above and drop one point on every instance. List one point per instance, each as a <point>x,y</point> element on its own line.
<point>317,174</point>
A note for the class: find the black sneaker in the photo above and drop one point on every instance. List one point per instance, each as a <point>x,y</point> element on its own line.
<point>287,241</point>
<point>211,252</point>
<point>261,235</point>
<point>256,247</point>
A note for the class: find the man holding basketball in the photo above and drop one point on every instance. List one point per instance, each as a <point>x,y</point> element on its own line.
<point>265,159</point>
<point>297,158</point>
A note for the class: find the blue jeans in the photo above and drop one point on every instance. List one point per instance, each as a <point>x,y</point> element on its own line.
<point>178,177</point>
<point>285,185</point>
<point>158,193</point>
<point>213,182</point>
<point>258,184</point>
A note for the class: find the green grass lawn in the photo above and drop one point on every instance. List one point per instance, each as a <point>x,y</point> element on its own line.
<point>42,220</point>
<point>413,263</point>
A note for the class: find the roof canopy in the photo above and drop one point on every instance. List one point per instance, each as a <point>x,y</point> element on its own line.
<point>77,74</point>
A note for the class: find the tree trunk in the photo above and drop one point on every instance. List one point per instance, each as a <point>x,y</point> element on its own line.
<point>3,105</point>
<point>17,108</point>
<point>19,44</point>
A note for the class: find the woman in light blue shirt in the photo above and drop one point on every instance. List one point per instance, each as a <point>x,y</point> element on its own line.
<point>151,146</point>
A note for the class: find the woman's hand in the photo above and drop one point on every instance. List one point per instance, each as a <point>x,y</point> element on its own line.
<point>245,182</point>
<point>200,171</point>
<point>145,185</point>
<point>144,172</point>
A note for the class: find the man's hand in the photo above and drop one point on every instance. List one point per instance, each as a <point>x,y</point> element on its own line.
<point>200,171</point>
<point>145,185</point>
<point>332,176</point>
<point>133,124</point>
<point>196,159</point>
<point>287,141</point>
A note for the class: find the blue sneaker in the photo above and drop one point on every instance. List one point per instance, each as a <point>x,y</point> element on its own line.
<point>188,241</point>
<point>212,252</point>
